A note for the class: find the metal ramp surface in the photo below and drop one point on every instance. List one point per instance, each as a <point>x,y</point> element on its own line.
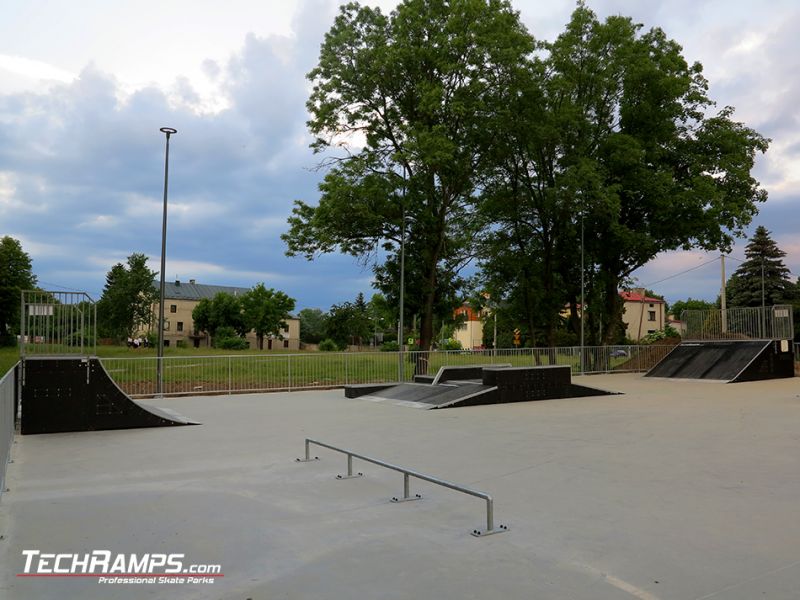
<point>730,361</point>
<point>77,394</point>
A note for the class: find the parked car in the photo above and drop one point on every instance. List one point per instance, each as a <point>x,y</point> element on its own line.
<point>618,353</point>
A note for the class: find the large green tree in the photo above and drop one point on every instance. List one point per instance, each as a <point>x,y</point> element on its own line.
<point>349,322</point>
<point>312,325</point>
<point>15,276</point>
<point>265,311</point>
<point>690,303</point>
<point>762,277</point>
<point>223,310</point>
<point>405,95</point>
<point>610,144</point>
<point>127,300</point>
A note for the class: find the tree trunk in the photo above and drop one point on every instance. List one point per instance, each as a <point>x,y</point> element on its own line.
<point>426,325</point>
<point>613,308</point>
<point>260,338</point>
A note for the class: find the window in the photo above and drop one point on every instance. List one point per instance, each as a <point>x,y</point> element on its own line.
<point>285,343</point>
<point>651,315</point>
<point>180,325</point>
<point>651,306</point>
<point>173,308</point>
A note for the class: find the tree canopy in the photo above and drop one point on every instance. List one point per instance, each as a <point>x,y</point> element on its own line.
<point>679,306</point>
<point>405,96</point>
<point>16,275</point>
<point>127,300</point>
<point>312,325</point>
<point>265,311</point>
<point>349,323</point>
<point>223,310</point>
<point>609,143</point>
<point>603,144</point>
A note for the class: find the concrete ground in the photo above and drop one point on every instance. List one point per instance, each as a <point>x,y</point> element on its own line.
<point>675,490</point>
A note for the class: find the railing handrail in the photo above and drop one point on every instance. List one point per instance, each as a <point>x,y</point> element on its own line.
<point>490,529</point>
<point>7,420</point>
<point>484,352</point>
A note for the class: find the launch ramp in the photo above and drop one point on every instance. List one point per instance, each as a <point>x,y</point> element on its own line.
<point>730,361</point>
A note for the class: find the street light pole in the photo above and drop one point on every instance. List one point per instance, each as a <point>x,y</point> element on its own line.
<point>159,362</point>
<point>763,302</point>
<point>402,295</point>
<point>583,285</point>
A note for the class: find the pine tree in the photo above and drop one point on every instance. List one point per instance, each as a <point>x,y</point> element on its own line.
<point>764,262</point>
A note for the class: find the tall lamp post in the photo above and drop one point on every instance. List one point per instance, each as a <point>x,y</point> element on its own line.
<point>159,362</point>
<point>583,286</point>
<point>400,376</point>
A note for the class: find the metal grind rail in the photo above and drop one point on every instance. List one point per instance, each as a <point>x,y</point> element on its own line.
<point>407,474</point>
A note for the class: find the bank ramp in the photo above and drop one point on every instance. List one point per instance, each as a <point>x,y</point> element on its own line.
<point>474,385</point>
<point>61,394</point>
<point>729,361</point>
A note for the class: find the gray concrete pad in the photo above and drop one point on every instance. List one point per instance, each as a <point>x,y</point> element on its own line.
<point>675,490</point>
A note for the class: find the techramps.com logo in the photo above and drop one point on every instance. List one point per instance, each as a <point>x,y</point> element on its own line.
<point>120,569</point>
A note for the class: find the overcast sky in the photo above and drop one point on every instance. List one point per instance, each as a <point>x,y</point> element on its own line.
<point>85,86</point>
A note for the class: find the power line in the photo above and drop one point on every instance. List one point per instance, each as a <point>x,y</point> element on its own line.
<point>63,287</point>
<point>708,262</point>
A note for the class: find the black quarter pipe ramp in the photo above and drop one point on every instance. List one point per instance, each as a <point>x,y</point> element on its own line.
<point>77,394</point>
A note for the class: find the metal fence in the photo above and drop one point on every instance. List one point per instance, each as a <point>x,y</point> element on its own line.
<point>192,375</point>
<point>56,323</point>
<point>768,323</point>
<point>8,389</point>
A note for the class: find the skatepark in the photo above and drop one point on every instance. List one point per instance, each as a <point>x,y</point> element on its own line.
<point>686,490</point>
<point>670,485</point>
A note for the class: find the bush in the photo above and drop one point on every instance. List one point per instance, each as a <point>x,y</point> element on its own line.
<point>232,343</point>
<point>225,338</point>
<point>390,347</point>
<point>328,345</point>
<point>450,344</point>
<point>180,344</point>
<point>661,334</point>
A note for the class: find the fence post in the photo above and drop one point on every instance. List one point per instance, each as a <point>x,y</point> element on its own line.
<point>345,367</point>
<point>289,369</point>
<point>230,375</point>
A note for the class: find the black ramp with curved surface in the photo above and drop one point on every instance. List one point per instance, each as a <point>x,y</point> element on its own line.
<point>77,394</point>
